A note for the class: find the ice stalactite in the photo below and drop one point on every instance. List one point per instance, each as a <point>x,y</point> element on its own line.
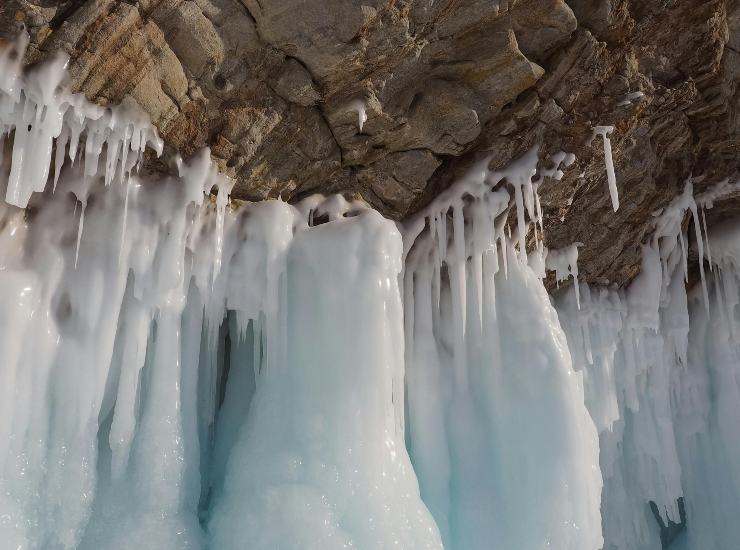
<point>360,107</point>
<point>564,262</point>
<point>491,388</point>
<point>611,177</point>
<point>630,99</point>
<point>42,114</point>
<point>661,378</point>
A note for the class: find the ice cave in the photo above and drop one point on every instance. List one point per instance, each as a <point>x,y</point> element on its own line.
<point>185,369</point>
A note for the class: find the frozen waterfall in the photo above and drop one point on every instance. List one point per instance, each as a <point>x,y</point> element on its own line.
<point>182,371</point>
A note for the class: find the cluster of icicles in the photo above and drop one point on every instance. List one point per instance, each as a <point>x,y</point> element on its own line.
<point>181,373</point>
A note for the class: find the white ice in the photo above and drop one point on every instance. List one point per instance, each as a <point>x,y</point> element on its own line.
<point>604,132</point>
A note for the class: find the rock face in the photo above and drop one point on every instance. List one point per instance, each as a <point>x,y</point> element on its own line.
<point>278,90</point>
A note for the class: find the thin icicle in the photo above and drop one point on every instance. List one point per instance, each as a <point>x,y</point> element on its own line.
<point>360,107</point>
<point>700,246</point>
<point>460,261</point>
<point>604,132</point>
<point>684,258</point>
<point>222,200</point>
<point>79,231</point>
<point>706,234</point>
<point>442,234</point>
<point>521,225</point>
<point>61,146</point>
<point>125,218</point>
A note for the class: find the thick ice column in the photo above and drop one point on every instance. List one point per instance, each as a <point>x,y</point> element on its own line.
<point>547,445</point>
<point>708,404</point>
<point>320,451</point>
<point>153,505</point>
<point>511,461</point>
<point>28,346</point>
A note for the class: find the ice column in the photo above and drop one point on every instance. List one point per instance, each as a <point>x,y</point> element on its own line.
<point>477,438</point>
<point>321,450</point>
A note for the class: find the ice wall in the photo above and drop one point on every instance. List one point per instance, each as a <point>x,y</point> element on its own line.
<point>122,424</point>
<point>320,462</point>
<point>661,371</point>
<point>184,374</point>
<point>181,371</point>
<point>506,454</point>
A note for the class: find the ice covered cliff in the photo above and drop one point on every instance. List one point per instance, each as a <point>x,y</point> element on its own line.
<point>273,88</point>
<point>180,371</point>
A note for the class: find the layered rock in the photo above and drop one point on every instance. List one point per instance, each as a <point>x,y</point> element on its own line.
<point>278,89</point>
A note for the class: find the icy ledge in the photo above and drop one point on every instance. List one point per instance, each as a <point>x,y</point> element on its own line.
<point>180,373</point>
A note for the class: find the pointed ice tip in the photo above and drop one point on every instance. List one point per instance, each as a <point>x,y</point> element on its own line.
<point>360,107</point>
<point>604,132</point>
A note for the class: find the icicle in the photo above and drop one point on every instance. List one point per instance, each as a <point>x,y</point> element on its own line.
<point>360,107</point>
<point>225,185</point>
<point>564,262</point>
<point>111,161</point>
<point>457,269</point>
<point>504,253</point>
<point>684,258</point>
<point>519,173</point>
<point>481,241</point>
<point>442,234</point>
<point>604,132</point>
<point>125,218</point>
<point>700,246</point>
<point>61,149</point>
<point>79,231</point>
<point>125,168</point>
<point>529,196</point>
<point>521,225</point>
<point>630,98</point>
<point>538,207</point>
<point>43,112</point>
<point>436,286</point>
<point>706,233</point>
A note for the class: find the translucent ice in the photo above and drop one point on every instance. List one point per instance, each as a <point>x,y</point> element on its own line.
<point>492,392</point>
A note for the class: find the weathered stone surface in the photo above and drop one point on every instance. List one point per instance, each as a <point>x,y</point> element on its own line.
<point>269,86</point>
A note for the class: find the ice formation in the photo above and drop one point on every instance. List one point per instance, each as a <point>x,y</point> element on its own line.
<point>506,454</point>
<point>630,99</point>
<point>662,382</point>
<point>359,106</point>
<point>180,371</point>
<point>564,262</point>
<point>611,177</point>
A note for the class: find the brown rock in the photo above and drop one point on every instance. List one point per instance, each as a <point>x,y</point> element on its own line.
<point>268,84</point>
